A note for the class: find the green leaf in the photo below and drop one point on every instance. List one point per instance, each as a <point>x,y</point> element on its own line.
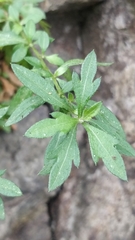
<point>108,121</point>
<point>9,38</point>
<point>53,147</point>
<point>2,172</point>
<point>42,87</point>
<point>62,168</point>
<point>88,113</point>
<point>66,86</point>
<point>76,87</point>
<point>2,125</point>
<point>33,61</point>
<point>2,211</point>
<point>62,69</point>
<point>17,28</point>
<point>49,127</point>
<point>22,94</point>
<point>3,111</point>
<point>19,54</point>
<point>30,29</point>
<point>55,59</point>
<point>47,168</point>
<point>88,71</point>
<point>51,153</point>
<point>27,106</point>
<point>42,40</point>
<point>31,13</point>
<point>95,86</point>
<point>13,13</point>
<point>8,188</point>
<point>123,146</point>
<point>102,145</point>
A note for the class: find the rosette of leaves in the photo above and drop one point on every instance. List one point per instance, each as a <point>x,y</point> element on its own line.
<point>72,104</point>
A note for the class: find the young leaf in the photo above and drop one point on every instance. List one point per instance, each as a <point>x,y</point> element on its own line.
<point>62,168</point>
<point>88,113</point>
<point>55,59</point>
<point>8,188</point>
<point>43,40</point>
<point>9,38</point>
<point>102,145</point>
<point>40,86</point>
<point>62,69</point>
<point>2,212</point>
<point>19,54</point>
<point>27,106</point>
<point>49,127</point>
<point>3,111</point>
<point>30,29</point>
<point>66,86</point>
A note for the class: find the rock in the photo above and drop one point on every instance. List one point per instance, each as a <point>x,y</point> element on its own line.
<point>53,5</point>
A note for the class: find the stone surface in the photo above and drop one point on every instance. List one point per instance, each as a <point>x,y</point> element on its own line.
<point>67,5</point>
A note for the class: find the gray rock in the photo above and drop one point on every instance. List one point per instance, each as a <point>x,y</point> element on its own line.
<point>53,5</point>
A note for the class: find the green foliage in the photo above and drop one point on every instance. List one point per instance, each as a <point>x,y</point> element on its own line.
<point>106,136</point>
<point>68,93</point>
<point>9,189</point>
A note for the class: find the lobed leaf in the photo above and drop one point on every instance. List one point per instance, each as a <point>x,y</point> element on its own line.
<point>102,145</point>
<point>62,168</point>
<point>51,153</point>
<point>88,71</point>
